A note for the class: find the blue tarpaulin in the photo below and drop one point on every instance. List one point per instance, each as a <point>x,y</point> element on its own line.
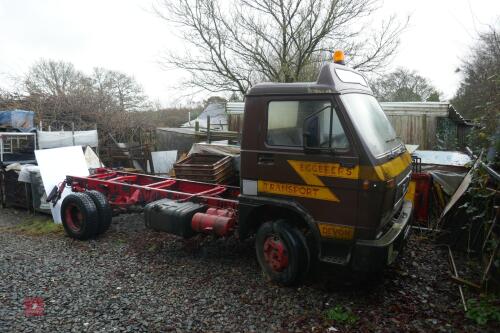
<point>20,120</point>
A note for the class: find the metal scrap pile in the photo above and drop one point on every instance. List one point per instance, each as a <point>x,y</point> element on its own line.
<point>457,197</point>
<point>206,168</point>
<point>436,177</point>
<point>470,222</point>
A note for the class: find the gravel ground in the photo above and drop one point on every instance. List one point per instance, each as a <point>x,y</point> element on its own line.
<point>132,279</point>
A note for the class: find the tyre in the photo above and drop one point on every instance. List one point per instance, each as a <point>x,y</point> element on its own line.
<point>104,210</point>
<point>79,216</point>
<point>282,252</point>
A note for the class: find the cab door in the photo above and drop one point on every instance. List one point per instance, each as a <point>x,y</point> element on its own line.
<point>307,156</point>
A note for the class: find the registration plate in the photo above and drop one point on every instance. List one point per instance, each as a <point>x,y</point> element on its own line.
<point>336,231</point>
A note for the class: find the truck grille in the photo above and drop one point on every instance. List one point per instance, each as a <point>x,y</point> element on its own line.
<point>401,189</point>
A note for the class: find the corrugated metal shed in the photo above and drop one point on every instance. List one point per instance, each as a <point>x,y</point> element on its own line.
<point>434,109</point>
<point>235,107</point>
<point>234,112</point>
<point>419,122</point>
<point>416,122</point>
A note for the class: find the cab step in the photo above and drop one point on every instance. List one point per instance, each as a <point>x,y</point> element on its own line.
<point>337,260</point>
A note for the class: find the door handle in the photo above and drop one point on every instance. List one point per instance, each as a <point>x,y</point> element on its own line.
<point>265,159</point>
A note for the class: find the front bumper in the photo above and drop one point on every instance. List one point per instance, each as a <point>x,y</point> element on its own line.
<point>374,255</point>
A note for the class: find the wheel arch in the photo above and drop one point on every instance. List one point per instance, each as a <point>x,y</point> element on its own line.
<point>254,211</point>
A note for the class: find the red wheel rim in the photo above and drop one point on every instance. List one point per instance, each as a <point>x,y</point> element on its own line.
<point>275,253</point>
<point>73,217</point>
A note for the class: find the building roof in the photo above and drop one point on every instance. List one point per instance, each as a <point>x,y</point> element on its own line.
<point>458,118</point>
<point>432,109</point>
<point>435,109</point>
<point>217,114</point>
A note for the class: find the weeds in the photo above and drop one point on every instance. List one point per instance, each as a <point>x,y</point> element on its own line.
<point>483,310</point>
<point>39,226</point>
<point>153,248</point>
<point>120,241</point>
<point>342,315</point>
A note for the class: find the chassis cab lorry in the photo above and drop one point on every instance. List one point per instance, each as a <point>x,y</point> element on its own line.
<point>323,178</point>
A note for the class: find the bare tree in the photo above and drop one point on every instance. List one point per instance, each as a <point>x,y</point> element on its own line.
<point>57,89</point>
<point>61,95</point>
<point>478,96</point>
<point>479,91</point>
<point>102,85</point>
<point>404,85</point>
<point>239,44</point>
<point>54,78</point>
<point>127,92</point>
<point>10,100</point>
<point>117,91</point>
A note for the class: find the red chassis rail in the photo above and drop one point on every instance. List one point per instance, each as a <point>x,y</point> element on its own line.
<point>126,189</point>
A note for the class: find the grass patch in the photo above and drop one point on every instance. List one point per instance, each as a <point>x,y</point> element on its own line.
<point>483,310</point>
<point>39,226</point>
<point>153,248</point>
<point>341,315</point>
<point>120,241</point>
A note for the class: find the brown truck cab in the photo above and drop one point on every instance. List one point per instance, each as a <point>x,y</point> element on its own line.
<point>323,176</point>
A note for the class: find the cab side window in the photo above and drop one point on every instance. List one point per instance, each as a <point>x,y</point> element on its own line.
<point>285,122</point>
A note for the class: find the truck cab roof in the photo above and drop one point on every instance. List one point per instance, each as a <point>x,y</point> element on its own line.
<point>333,79</point>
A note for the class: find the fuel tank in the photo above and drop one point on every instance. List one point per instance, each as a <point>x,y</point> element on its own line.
<point>172,216</point>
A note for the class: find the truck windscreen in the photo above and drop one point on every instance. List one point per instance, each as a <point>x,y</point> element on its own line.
<point>371,123</point>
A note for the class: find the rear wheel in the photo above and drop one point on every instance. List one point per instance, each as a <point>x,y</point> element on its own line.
<point>79,216</point>
<point>282,252</point>
<point>104,211</point>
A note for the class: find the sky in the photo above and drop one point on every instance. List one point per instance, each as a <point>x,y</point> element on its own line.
<point>127,36</point>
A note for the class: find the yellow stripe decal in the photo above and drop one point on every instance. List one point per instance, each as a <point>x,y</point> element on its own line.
<point>314,188</point>
<point>388,170</point>
<point>296,190</point>
<point>310,171</point>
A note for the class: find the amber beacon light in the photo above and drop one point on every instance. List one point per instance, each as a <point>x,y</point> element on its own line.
<point>338,57</point>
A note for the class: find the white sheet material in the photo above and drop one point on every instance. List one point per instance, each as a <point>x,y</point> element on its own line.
<point>65,138</point>
<point>24,174</point>
<point>55,164</point>
<point>163,161</point>
<point>92,159</point>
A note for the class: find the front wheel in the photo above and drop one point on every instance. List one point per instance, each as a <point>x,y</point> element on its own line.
<point>282,252</point>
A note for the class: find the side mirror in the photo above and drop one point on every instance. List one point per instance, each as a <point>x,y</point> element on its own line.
<point>310,127</point>
<point>306,139</point>
<point>310,143</point>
